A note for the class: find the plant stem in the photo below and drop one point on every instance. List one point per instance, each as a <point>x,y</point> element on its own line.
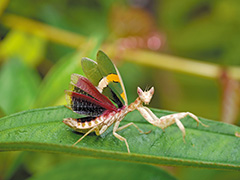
<point>40,29</point>
<point>3,6</point>
<point>148,58</point>
<point>178,64</point>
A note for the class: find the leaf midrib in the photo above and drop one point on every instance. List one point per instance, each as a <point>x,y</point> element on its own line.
<point>37,147</point>
<point>124,121</point>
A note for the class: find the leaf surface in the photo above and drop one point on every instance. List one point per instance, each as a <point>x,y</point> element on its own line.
<point>43,130</point>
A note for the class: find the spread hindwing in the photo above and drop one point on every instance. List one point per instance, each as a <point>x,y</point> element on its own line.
<point>85,107</point>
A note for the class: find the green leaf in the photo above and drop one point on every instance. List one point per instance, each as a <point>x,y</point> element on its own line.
<point>43,130</point>
<point>19,86</point>
<point>29,48</point>
<point>57,80</point>
<point>103,169</point>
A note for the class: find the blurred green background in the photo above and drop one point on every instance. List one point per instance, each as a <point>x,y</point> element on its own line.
<point>42,43</point>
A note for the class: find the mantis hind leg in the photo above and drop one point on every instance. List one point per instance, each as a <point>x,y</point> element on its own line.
<point>91,130</point>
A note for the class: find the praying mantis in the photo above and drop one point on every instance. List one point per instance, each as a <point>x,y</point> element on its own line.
<point>101,97</point>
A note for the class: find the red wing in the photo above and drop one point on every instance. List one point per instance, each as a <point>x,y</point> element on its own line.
<point>85,85</point>
<point>83,104</point>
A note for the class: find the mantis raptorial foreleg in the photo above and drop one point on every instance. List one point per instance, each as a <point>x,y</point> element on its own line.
<point>167,120</point>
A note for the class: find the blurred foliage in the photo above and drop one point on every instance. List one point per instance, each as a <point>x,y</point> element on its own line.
<point>35,69</point>
<point>86,169</point>
<point>19,86</point>
<point>201,29</point>
<point>28,47</point>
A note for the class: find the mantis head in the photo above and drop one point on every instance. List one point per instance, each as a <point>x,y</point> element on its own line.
<point>145,96</point>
